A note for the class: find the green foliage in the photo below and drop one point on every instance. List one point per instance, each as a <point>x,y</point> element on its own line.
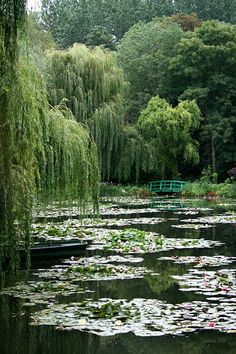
<point>204,69</point>
<point>90,83</point>
<point>42,151</point>
<point>169,132</point>
<point>187,22</point>
<point>144,54</point>
<point>227,190</point>
<point>12,16</point>
<point>209,9</point>
<point>37,41</point>
<point>99,35</point>
<point>70,169</point>
<point>72,21</point>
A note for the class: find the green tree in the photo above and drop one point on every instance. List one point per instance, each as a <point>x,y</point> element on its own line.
<point>144,54</point>
<point>188,22</point>
<point>209,9</point>
<point>91,84</point>
<point>204,69</point>
<point>99,35</point>
<point>169,130</point>
<point>73,21</point>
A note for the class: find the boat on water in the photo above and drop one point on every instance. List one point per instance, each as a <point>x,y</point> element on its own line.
<point>55,250</point>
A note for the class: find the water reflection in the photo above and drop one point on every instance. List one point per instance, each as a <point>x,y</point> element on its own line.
<point>18,337</point>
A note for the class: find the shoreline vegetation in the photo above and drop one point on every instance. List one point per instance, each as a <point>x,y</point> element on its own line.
<point>191,189</point>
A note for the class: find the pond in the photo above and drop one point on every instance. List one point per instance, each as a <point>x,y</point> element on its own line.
<point>158,277</point>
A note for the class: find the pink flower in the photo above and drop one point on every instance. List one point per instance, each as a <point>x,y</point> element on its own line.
<point>188,306</point>
<point>211,324</point>
<point>225,288</point>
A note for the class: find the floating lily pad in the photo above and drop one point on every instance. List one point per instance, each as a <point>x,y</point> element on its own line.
<point>103,260</point>
<point>187,212</point>
<point>201,261</point>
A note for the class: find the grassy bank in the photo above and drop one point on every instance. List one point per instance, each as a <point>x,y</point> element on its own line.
<point>210,189</point>
<point>195,189</point>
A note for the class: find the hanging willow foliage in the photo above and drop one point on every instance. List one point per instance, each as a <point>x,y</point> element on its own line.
<point>12,14</point>
<point>70,168</point>
<point>133,156</point>
<point>42,150</point>
<point>93,86</point>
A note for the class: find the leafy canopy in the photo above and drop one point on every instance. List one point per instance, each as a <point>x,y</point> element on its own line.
<point>169,130</point>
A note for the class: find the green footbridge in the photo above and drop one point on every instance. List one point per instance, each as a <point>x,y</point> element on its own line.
<point>166,186</point>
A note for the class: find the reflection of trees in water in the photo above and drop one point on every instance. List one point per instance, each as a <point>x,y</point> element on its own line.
<point>201,343</point>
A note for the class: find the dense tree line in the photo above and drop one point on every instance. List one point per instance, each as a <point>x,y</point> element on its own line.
<point>168,49</point>
<point>160,58</point>
<point>96,22</point>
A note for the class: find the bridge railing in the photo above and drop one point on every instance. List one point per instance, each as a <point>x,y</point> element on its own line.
<point>166,186</point>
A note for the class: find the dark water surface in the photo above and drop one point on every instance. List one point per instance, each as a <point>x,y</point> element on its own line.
<point>18,336</point>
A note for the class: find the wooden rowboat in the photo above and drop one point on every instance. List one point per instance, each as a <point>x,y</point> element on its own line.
<point>55,250</point>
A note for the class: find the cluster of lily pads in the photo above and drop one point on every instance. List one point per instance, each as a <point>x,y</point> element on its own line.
<point>44,292</point>
<point>201,261</point>
<point>143,317</point>
<point>94,268</point>
<point>74,228</point>
<point>192,226</point>
<point>216,219</point>
<point>105,210</point>
<point>216,285</point>
<point>137,241</point>
<point>64,231</point>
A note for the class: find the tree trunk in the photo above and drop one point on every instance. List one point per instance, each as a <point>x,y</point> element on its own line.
<point>213,154</point>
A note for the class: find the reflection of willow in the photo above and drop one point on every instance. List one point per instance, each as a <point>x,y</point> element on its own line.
<point>164,281</point>
<point>121,289</point>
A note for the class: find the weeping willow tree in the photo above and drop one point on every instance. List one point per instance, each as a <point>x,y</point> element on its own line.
<point>43,151</point>
<point>170,132</point>
<point>92,85</point>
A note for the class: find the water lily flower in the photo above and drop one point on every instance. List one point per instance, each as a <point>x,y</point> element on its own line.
<point>188,306</point>
<point>211,324</point>
<point>225,288</point>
